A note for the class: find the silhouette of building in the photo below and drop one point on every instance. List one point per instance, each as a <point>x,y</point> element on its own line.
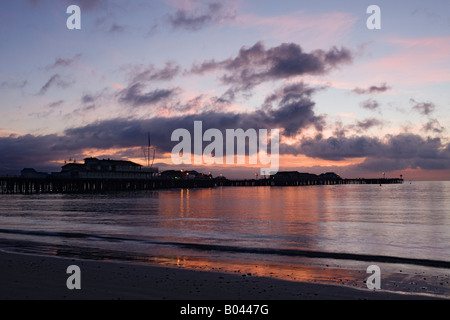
<point>31,173</point>
<point>184,175</point>
<point>294,175</point>
<point>106,169</point>
<point>329,176</point>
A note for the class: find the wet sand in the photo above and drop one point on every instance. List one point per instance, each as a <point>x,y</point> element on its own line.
<point>34,277</point>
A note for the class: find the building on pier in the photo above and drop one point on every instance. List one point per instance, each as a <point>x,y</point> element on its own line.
<point>184,175</point>
<point>301,178</point>
<point>93,168</point>
<point>33,174</point>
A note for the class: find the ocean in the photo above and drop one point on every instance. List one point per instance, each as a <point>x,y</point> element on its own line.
<point>326,234</point>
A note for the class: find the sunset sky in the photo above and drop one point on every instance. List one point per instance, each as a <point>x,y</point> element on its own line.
<point>345,98</point>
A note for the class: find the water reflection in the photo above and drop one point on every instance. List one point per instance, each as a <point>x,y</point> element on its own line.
<point>393,220</point>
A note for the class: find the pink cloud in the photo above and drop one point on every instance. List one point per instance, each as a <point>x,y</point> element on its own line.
<point>315,29</point>
<point>6,132</point>
<point>415,61</point>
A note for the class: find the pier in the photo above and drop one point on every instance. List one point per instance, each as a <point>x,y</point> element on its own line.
<point>311,182</point>
<point>21,185</point>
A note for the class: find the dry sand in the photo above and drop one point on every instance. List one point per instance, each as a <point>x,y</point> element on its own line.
<point>35,277</point>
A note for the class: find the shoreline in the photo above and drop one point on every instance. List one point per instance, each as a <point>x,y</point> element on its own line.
<point>39,277</point>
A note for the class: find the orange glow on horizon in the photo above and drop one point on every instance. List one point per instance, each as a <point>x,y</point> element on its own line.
<point>286,163</point>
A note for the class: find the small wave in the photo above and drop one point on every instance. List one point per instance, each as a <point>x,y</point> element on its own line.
<point>238,249</point>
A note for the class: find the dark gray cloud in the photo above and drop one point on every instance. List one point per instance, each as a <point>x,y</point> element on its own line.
<point>290,112</point>
<point>55,81</point>
<point>410,151</point>
<point>257,64</point>
<point>192,21</point>
<point>424,108</point>
<point>134,96</point>
<point>370,104</point>
<point>372,89</point>
<point>394,152</point>
<point>339,148</point>
<point>294,109</point>
<point>28,151</point>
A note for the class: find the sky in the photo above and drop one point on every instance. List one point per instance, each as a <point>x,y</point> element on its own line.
<point>346,98</point>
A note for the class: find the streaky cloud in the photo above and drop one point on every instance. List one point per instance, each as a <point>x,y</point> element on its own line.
<point>55,81</point>
<point>134,96</point>
<point>193,21</point>
<point>372,89</point>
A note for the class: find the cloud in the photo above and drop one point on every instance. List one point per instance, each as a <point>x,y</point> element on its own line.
<point>291,109</point>
<point>257,64</point>
<point>88,5</point>
<point>415,61</point>
<point>87,98</point>
<point>290,91</point>
<point>134,96</point>
<point>13,84</point>
<point>341,130</point>
<point>394,152</point>
<point>85,5</point>
<point>117,28</point>
<point>54,80</point>
<point>368,123</point>
<point>370,104</point>
<point>339,148</point>
<point>434,126</point>
<point>152,30</point>
<point>48,109</point>
<point>151,73</point>
<point>193,21</point>
<point>28,150</point>
<point>295,109</point>
<point>315,29</point>
<point>424,108</point>
<point>62,62</point>
<point>410,151</point>
<point>372,89</point>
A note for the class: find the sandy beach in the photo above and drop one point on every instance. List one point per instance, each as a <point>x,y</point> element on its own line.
<point>33,277</point>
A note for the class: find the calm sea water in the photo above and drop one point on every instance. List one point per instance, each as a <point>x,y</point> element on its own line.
<point>259,230</point>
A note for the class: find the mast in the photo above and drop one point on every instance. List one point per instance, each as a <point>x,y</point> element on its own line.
<point>148,150</point>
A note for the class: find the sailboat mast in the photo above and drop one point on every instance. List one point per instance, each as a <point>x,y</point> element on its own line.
<point>148,152</point>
